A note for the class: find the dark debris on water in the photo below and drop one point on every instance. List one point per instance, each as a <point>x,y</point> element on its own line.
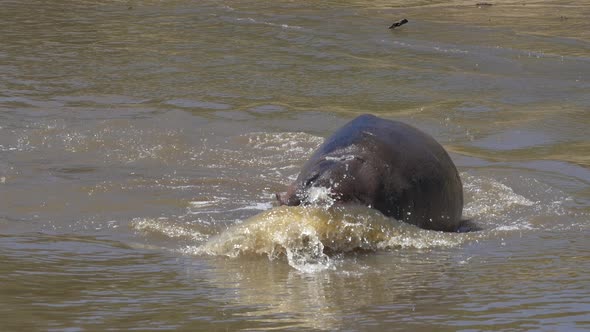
<point>398,24</point>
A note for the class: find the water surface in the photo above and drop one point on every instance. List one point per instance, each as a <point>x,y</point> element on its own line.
<point>142,142</point>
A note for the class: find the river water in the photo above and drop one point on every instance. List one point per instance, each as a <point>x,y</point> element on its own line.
<point>142,142</point>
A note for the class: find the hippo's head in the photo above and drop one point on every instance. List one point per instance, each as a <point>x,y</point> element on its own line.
<point>341,179</point>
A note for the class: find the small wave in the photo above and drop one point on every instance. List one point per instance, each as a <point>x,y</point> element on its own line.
<point>307,236</point>
<point>7,148</point>
<point>492,196</point>
<point>450,50</point>
<point>211,207</point>
<point>110,139</point>
<point>498,206</point>
<point>189,103</point>
<point>427,47</point>
<point>163,226</point>
<point>293,142</point>
<point>283,26</point>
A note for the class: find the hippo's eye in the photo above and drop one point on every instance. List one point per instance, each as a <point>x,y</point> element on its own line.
<point>311,179</point>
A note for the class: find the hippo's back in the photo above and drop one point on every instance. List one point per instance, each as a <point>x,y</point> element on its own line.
<point>396,168</point>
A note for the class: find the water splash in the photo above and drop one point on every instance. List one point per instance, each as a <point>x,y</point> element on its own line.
<point>492,197</point>
<point>307,236</point>
<point>320,196</point>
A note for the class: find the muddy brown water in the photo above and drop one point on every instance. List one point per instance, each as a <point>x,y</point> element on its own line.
<point>141,144</point>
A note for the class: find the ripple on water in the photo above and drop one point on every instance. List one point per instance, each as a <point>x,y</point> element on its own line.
<point>190,103</point>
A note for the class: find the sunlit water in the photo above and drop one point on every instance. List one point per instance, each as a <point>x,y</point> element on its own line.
<point>142,143</point>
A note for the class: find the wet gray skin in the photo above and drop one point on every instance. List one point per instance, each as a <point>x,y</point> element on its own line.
<point>388,165</point>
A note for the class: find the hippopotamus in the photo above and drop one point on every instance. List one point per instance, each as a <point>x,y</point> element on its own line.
<point>386,165</point>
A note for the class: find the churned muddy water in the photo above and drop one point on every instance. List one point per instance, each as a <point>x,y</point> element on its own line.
<point>142,142</point>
